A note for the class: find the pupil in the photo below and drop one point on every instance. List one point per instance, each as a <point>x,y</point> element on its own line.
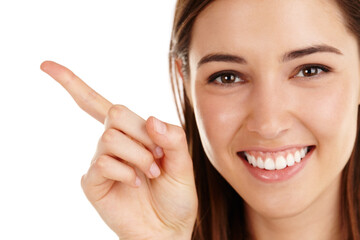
<point>228,78</point>
<point>310,71</point>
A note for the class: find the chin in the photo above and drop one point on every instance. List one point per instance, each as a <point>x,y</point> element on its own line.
<point>283,211</point>
<point>277,201</point>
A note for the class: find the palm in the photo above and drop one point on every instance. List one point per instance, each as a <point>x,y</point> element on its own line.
<point>124,207</point>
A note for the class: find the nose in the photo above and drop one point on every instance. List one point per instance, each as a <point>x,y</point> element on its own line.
<point>269,114</point>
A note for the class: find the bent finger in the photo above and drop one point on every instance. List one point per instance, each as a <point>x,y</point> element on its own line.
<point>123,119</point>
<point>172,139</point>
<point>87,98</point>
<point>102,174</point>
<point>116,143</point>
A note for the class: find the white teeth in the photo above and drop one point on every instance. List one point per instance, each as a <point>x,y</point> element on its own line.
<point>247,156</point>
<point>302,153</point>
<point>269,164</point>
<point>280,163</point>
<point>253,161</point>
<point>260,163</point>
<point>297,156</point>
<point>290,160</point>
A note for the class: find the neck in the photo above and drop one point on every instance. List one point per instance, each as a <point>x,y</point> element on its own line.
<point>320,220</point>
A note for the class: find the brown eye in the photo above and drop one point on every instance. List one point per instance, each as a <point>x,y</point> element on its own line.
<point>225,78</point>
<point>310,71</point>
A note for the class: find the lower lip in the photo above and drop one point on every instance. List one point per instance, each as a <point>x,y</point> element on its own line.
<point>270,176</point>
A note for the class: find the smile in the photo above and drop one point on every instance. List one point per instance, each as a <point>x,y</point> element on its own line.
<point>274,166</point>
<point>276,160</point>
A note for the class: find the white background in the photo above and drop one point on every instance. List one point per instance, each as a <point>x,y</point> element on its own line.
<point>120,49</point>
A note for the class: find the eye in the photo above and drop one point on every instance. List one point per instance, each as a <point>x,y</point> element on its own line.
<point>225,77</point>
<point>311,70</point>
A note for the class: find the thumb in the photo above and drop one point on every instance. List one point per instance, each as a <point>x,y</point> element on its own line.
<point>172,139</point>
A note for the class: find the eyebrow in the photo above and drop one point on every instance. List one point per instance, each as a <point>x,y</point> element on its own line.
<point>310,50</point>
<point>223,57</point>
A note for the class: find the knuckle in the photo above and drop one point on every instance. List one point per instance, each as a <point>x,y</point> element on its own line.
<point>147,159</point>
<point>90,96</point>
<point>82,181</point>
<point>130,176</point>
<point>109,136</point>
<point>101,163</point>
<point>117,111</point>
<point>69,79</point>
<point>84,184</point>
<point>179,135</point>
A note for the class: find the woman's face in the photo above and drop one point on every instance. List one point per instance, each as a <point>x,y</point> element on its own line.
<point>268,79</point>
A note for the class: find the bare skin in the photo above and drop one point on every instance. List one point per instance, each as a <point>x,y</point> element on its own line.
<point>268,101</point>
<point>278,93</point>
<point>135,202</point>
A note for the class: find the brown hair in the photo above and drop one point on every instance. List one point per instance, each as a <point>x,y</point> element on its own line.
<point>221,210</point>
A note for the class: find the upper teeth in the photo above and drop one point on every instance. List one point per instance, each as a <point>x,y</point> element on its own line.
<point>270,162</point>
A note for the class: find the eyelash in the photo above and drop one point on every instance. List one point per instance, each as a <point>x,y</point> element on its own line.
<point>320,69</point>
<point>323,69</point>
<point>213,78</point>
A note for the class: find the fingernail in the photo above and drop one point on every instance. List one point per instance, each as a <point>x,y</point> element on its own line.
<point>159,152</point>
<point>159,126</point>
<point>137,182</point>
<point>154,170</point>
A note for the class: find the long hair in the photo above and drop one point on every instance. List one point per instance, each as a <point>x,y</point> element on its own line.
<point>350,182</point>
<point>221,210</point>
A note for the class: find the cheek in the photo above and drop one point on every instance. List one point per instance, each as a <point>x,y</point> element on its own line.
<point>329,115</point>
<point>219,119</point>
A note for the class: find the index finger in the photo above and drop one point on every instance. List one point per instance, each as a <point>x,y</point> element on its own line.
<point>87,98</point>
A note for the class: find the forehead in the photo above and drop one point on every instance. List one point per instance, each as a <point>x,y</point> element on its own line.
<point>271,26</point>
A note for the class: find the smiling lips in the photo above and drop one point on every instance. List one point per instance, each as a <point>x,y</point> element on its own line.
<point>275,166</point>
<point>275,160</point>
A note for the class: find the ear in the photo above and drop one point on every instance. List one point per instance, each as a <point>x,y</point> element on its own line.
<point>185,82</point>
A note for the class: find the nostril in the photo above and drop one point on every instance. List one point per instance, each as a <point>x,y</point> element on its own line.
<point>269,125</point>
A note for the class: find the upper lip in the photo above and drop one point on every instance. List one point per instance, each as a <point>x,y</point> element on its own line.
<point>273,149</point>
